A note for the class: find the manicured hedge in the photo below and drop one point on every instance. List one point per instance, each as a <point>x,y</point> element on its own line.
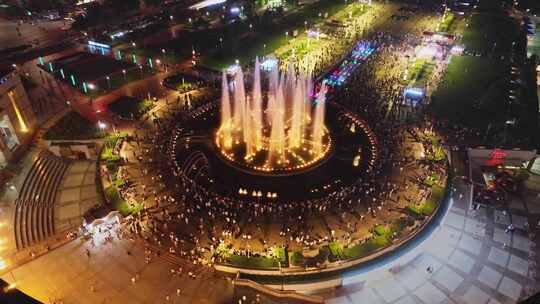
<point>252,261</point>
<point>366,248</point>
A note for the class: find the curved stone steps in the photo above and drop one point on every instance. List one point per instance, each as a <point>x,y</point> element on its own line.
<point>34,209</point>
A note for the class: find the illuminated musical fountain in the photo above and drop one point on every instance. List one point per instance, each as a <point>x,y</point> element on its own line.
<point>281,131</point>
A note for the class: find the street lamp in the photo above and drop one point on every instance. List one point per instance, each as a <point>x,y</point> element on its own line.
<point>124,72</point>
<point>108,81</point>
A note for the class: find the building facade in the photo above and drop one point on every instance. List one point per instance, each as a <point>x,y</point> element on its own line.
<point>17,119</point>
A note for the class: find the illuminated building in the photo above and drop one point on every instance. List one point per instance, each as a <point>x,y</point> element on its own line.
<point>17,119</point>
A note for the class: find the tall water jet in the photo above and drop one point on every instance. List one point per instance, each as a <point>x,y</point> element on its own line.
<point>295,131</point>
<point>279,137</point>
<point>239,100</point>
<point>318,122</point>
<point>307,105</point>
<point>256,106</point>
<point>226,121</point>
<point>273,83</point>
<point>277,134</point>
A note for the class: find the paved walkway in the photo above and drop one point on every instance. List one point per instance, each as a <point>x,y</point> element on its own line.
<point>106,277</point>
<point>468,260</point>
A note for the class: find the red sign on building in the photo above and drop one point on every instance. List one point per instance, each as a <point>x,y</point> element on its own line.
<point>497,157</point>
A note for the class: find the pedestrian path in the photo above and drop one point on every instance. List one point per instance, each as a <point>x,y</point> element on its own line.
<point>470,259</point>
<point>106,275</point>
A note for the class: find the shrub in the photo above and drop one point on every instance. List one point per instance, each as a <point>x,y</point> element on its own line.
<point>366,248</point>
<point>252,261</point>
<point>279,253</point>
<point>297,258</point>
<point>130,108</point>
<point>336,249</point>
<point>118,203</point>
<point>380,230</point>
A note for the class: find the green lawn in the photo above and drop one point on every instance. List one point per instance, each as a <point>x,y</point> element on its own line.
<point>420,72</point>
<point>490,33</point>
<point>431,203</point>
<point>116,201</point>
<point>380,230</point>
<point>264,43</point>
<point>446,22</point>
<point>473,91</point>
<point>270,38</point>
<point>430,180</point>
<point>366,248</point>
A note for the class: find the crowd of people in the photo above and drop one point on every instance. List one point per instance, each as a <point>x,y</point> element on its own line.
<point>331,40</point>
<point>193,221</point>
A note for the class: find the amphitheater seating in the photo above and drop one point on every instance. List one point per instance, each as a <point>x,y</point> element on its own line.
<point>34,208</point>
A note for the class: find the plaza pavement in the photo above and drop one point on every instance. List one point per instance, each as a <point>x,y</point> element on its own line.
<point>69,275</point>
<point>44,31</point>
<point>470,264</point>
<point>473,261</point>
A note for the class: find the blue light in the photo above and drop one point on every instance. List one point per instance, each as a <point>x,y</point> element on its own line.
<point>235,10</point>
<point>97,44</point>
<point>358,55</point>
<point>413,92</point>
